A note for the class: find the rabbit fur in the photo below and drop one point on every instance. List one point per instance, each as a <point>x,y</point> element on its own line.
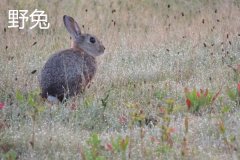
<point>68,72</point>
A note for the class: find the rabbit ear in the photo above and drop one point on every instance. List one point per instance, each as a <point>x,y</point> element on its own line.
<point>72,26</point>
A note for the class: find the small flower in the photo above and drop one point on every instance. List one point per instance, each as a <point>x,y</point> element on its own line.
<point>2,105</point>
<point>198,94</point>
<point>238,88</point>
<point>152,139</point>
<point>171,130</point>
<point>73,107</point>
<point>162,110</point>
<point>188,102</point>
<point>122,120</point>
<point>109,147</point>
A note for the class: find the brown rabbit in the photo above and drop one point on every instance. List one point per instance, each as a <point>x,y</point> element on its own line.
<point>68,72</point>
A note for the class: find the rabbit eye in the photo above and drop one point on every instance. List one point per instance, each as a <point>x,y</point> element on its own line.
<point>92,40</point>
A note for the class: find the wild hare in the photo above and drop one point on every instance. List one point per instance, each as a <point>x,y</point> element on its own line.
<point>68,72</point>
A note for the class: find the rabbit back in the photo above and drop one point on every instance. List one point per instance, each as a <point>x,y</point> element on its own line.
<point>67,73</point>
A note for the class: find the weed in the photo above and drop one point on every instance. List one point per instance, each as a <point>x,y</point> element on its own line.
<point>198,100</point>
<point>33,106</point>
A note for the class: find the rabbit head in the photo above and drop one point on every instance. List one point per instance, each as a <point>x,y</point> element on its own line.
<point>85,42</point>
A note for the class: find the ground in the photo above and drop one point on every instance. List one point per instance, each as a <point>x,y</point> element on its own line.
<point>167,86</point>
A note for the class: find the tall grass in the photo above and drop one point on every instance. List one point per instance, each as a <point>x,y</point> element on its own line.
<point>154,49</point>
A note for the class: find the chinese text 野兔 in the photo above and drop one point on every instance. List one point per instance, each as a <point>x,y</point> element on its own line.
<point>18,18</point>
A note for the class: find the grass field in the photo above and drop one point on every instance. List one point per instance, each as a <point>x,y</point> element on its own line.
<point>167,87</point>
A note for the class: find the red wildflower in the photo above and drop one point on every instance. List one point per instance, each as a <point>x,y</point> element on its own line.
<point>171,130</point>
<point>188,102</point>
<point>122,120</point>
<point>162,110</point>
<point>198,94</point>
<point>2,105</point>
<point>153,139</point>
<point>73,107</point>
<point>109,147</point>
<point>238,88</point>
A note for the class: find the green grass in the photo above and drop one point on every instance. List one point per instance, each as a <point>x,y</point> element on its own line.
<point>153,52</point>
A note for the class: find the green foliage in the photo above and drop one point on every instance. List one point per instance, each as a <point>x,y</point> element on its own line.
<point>170,105</point>
<point>94,141</point>
<point>160,95</point>
<point>88,101</point>
<point>234,94</point>
<point>10,155</point>
<point>225,109</point>
<point>120,144</point>
<point>105,100</point>
<point>19,96</point>
<point>34,108</point>
<point>32,100</point>
<point>94,149</point>
<point>163,149</point>
<point>196,100</point>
